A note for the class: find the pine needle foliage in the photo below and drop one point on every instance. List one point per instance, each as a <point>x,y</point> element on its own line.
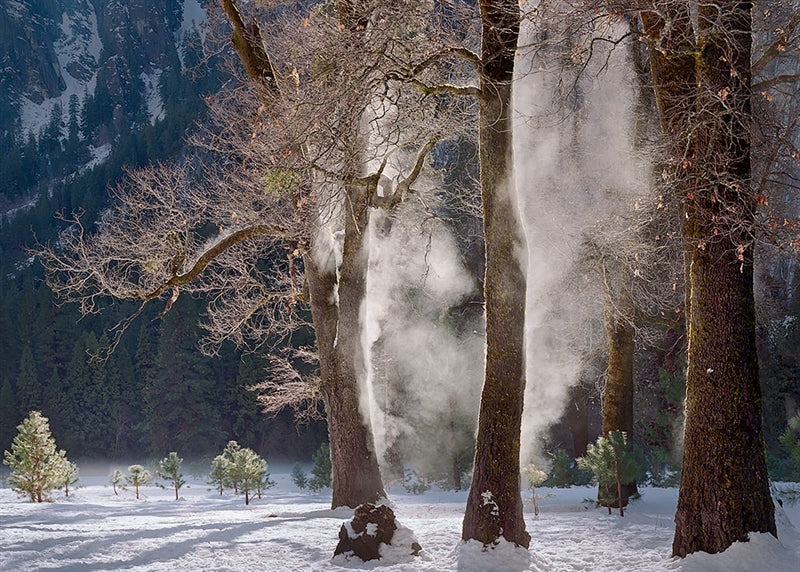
<point>241,469</point>
<point>613,461</point>
<point>321,470</point>
<point>248,469</point>
<point>219,473</point>
<point>37,467</point>
<point>138,477</point>
<point>115,479</point>
<point>299,477</point>
<point>169,469</point>
<point>69,475</point>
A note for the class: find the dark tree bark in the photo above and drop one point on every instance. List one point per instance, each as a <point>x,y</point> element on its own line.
<point>353,443</point>
<point>703,92</point>
<point>494,505</point>
<point>618,395</point>
<point>356,474</point>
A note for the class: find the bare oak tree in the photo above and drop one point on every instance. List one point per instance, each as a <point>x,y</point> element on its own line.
<point>270,214</point>
<point>494,505</point>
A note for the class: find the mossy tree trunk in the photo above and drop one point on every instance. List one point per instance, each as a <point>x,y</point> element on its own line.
<point>618,396</point>
<point>356,474</point>
<point>494,504</point>
<point>703,91</point>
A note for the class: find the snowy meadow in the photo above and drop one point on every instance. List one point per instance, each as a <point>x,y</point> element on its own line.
<point>294,530</point>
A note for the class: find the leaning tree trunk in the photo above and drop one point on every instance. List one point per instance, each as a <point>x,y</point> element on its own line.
<point>618,397</point>
<point>494,504</point>
<point>703,92</point>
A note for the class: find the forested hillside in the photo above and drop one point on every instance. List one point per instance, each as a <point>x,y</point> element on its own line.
<point>89,90</point>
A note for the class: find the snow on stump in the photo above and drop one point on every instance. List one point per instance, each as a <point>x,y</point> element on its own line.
<point>371,527</point>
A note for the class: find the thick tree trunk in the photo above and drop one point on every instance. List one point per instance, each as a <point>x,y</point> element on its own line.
<point>724,491</point>
<point>618,396</point>
<point>703,92</point>
<point>356,474</point>
<point>494,505</point>
<point>335,305</point>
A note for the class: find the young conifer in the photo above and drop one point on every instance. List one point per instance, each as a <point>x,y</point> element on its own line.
<point>322,468</point>
<point>219,473</point>
<point>138,477</point>
<point>37,467</point>
<point>169,469</point>
<point>614,462</point>
<point>116,480</point>
<point>69,475</point>
<point>248,470</point>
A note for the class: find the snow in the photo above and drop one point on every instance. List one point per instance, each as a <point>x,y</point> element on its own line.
<point>294,530</point>
<point>152,94</point>
<point>194,16</point>
<point>80,41</point>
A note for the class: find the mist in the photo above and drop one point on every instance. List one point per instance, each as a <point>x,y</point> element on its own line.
<point>573,167</point>
<point>426,364</point>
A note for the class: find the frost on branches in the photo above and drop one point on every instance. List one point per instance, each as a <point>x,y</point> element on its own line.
<point>37,467</point>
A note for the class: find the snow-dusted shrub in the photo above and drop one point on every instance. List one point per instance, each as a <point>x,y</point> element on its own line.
<point>138,477</point>
<point>169,469</point>
<point>37,467</point>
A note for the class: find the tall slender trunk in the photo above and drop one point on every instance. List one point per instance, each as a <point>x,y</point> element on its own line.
<point>494,504</point>
<point>618,395</point>
<point>703,90</point>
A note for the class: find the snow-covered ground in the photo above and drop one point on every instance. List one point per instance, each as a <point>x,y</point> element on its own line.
<point>290,530</point>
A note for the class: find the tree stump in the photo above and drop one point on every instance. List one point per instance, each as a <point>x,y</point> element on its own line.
<point>371,526</point>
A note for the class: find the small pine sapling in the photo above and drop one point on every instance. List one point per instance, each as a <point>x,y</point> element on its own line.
<point>299,477</point>
<point>533,477</point>
<point>264,482</point>
<point>322,468</point>
<point>560,465</point>
<point>69,474</point>
<point>138,477</point>
<point>229,454</point>
<point>169,469</point>
<point>115,479</point>
<point>36,465</point>
<point>614,462</point>
<point>247,469</point>
<point>219,473</point>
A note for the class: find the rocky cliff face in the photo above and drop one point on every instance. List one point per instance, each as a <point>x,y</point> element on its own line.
<point>52,49</point>
<point>29,66</point>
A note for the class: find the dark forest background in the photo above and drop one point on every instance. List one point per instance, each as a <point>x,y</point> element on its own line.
<point>156,392</point>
